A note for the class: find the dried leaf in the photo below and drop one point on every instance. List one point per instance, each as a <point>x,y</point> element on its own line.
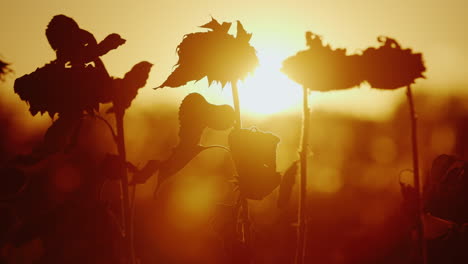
<point>242,34</point>
<point>111,42</point>
<point>323,69</point>
<point>126,89</point>
<point>214,25</point>
<point>75,45</point>
<point>196,114</point>
<point>58,88</point>
<point>214,54</point>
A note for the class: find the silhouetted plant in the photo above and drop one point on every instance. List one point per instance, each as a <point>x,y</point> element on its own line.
<point>321,68</point>
<point>195,115</point>
<point>123,93</point>
<point>444,209</point>
<point>391,67</point>
<point>74,84</point>
<point>445,189</point>
<point>215,54</point>
<point>220,57</point>
<point>68,85</point>
<point>253,153</point>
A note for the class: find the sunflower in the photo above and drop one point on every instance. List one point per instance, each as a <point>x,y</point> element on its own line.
<point>322,68</point>
<point>214,54</point>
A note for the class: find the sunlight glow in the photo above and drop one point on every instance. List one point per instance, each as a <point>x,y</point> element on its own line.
<point>269,91</point>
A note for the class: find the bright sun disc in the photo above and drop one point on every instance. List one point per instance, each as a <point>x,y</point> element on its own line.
<point>268,91</point>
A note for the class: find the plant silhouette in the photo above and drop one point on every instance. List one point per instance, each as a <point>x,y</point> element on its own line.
<point>215,54</point>
<point>125,90</point>
<point>445,187</point>
<point>321,68</point>
<point>56,193</point>
<point>72,86</point>
<point>220,57</point>
<point>444,203</point>
<point>195,115</point>
<point>253,153</point>
<point>87,85</point>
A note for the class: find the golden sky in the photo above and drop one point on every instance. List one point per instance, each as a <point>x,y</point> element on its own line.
<point>153,29</point>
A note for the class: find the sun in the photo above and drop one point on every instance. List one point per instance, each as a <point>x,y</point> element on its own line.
<point>268,91</point>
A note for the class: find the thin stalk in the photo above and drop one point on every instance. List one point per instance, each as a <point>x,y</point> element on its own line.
<point>119,116</point>
<point>302,223</point>
<point>132,224</point>
<point>417,186</point>
<point>244,203</point>
<point>235,98</point>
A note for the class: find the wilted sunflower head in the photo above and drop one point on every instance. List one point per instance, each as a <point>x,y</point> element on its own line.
<point>390,67</point>
<point>321,68</point>
<point>215,54</point>
<point>254,153</point>
<point>61,31</point>
<point>55,89</point>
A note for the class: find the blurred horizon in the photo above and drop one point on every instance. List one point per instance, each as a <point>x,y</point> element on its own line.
<point>154,29</point>
<point>359,138</point>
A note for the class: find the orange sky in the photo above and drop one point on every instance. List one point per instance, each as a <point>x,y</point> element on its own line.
<point>153,29</point>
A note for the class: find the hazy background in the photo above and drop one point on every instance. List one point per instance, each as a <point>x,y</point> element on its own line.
<point>360,138</point>
<point>153,30</point>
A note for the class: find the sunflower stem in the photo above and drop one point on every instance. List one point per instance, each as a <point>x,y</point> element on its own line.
<point>417,186</point>
<point>302,223</point>
<point>244,203</point>
<point>235,98</point>
<point>119,116</point>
